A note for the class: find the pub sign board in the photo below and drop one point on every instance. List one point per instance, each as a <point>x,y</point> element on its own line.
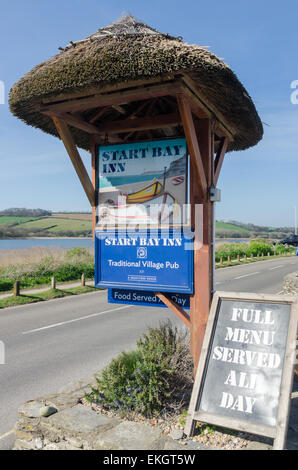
<point>144,261</point>
<point>245,373</point>
<point>144,183</point>
<point>143,238</point>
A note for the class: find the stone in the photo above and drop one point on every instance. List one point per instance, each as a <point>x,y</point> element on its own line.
<point>31,408</point>
<point>46,411</point>
<point>38,444</point>
<point>130,436</point>
<point>255,445</point>
<point>170,444</point>
<point>80,420</point>
<point>176,434</point>
<point>192,445</point>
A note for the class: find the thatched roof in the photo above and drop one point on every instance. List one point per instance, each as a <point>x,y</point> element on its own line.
<point>129,50</point>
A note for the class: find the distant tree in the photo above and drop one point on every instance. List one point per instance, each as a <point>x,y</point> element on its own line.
<point>23,212</point>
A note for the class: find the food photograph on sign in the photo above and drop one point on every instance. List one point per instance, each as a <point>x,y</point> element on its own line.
<point>143,183</point>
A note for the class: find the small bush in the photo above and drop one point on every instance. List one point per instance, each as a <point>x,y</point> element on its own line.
<point>152,379</point>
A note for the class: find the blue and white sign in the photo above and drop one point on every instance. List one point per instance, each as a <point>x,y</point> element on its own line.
<point>143,261</point>
<point>146,298</point>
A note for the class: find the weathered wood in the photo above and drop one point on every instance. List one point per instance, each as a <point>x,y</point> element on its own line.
<point>74,155</point>
<point>192,143</point>
<point>220,158</point>
<point>110,99</point>
<point>175,308</point>
<point>141,124</point>
<point>232,423</point>
<point>83,280</point>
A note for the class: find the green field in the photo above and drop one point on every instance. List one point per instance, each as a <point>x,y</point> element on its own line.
<point>56,225</point>
<point>10,220</point>
<point>227,226</point>
<point>72,224</point>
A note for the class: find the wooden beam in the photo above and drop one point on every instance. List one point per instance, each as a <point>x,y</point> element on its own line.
<point>140,124</point>
<point>175,308</point>
<point>119,108</point>
<point>220,158</point>
<point>80,124</point>
<point>87,92</point>
<point>74,121</point>
<point>74,155</point>
<point>110,99</point>
<point>192,90</point>
<point>192,143</point>
<point>97,115</point>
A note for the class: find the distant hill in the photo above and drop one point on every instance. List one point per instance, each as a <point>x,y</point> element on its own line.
<point>235,229</point>
<point>55,225</point>
<point>19,222</point>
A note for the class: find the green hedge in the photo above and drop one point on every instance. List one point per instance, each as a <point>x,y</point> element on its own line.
<point>255,248</point>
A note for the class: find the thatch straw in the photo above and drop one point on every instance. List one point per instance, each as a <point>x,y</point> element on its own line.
<point>129,50</point>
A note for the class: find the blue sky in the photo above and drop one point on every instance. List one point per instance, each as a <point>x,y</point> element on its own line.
<point>258,39</point>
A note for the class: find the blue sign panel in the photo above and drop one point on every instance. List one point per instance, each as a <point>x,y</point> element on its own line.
<point>143,261</point>
<point>147,298</point>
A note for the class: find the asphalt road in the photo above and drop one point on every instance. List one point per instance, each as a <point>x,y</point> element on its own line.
<point>50,344</point>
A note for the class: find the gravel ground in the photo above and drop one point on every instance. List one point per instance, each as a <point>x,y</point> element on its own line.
<point>210,436</point>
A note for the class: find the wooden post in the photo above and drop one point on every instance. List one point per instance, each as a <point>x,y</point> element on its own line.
<point>83,280</point>
<point>93,179</point>
<point>16,288</point>
<point>53,282</point>
<point>74,155</point>
<point>203,253</point>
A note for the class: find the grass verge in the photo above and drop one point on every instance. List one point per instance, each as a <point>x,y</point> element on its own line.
<point>50,294</point>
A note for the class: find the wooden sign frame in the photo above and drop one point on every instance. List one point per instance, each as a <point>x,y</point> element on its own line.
<point>132,112</point>
<point>278,432</point>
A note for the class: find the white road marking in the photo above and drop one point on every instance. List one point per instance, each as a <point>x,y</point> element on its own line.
<point>7,434</point>
<point>54,325</point>
<point>275,267</point>
<point>246,275</point>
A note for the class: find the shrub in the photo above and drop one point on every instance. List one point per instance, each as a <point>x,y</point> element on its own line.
<point>234,249</point>
<point>152,379</point>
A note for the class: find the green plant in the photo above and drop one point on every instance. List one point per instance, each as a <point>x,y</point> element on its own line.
<point>150,379</point>
<point>182,417</point>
